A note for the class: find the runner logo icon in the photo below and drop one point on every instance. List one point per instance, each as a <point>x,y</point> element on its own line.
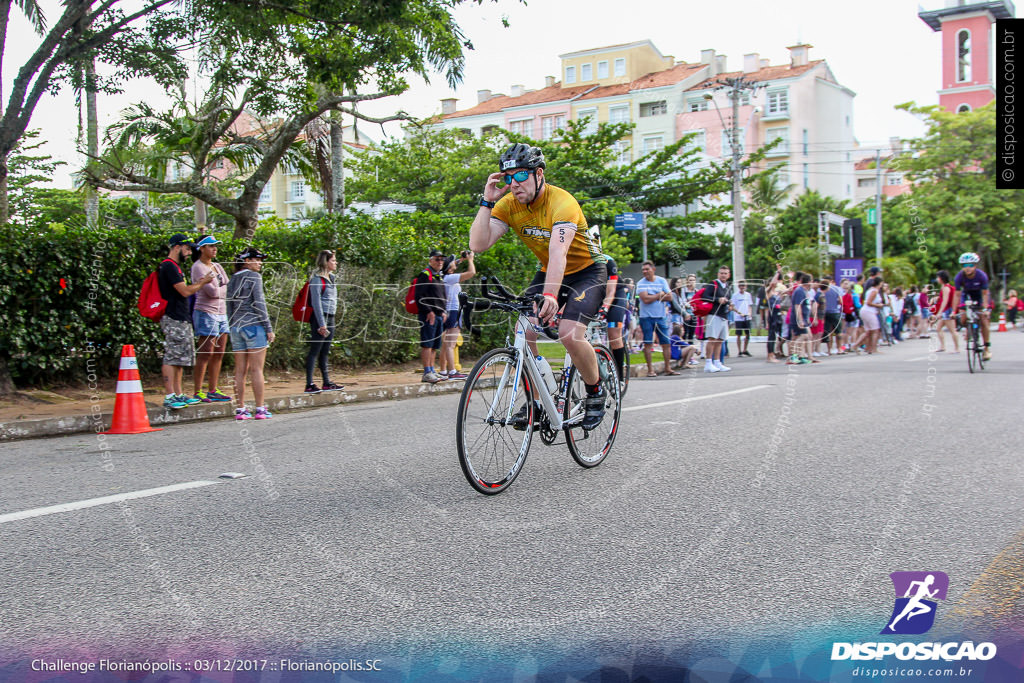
<point>916,595</point>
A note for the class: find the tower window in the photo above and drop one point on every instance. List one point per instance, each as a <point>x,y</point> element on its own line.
<point>963,56</point>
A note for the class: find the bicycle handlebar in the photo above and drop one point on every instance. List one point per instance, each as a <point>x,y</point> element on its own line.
<point>503,300</point>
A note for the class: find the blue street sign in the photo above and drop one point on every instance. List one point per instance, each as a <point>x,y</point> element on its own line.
<point>629,221</point>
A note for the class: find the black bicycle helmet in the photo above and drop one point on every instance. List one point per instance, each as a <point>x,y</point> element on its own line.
<point>521,155</point>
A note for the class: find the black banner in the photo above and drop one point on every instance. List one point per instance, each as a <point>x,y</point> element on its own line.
<point>1009,124</point>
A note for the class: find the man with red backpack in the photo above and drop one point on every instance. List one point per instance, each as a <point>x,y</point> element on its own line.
<point>719,295</point>
<point>176,323</point>
<point>431,310</point>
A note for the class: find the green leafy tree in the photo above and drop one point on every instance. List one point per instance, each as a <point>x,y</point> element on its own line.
<point>954,205</point>
<point>789,235</point>
<point>614,244</point>
<point>134,39</point>
<point>27,171</point>
<point>767,193</point>
<point>898,271</point>
<point>288,60</point>
<point>433,170</point>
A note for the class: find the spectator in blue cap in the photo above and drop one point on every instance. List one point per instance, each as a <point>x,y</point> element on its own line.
<point>210,320</point>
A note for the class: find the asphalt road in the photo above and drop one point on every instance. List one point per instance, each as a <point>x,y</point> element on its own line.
<point>772,499</point>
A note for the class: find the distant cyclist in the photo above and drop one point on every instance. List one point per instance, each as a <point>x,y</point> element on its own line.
<point>971,284</point>
<point>572,275</point>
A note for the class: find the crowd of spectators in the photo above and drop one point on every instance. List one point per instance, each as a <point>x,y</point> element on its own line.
<point>803,318</point>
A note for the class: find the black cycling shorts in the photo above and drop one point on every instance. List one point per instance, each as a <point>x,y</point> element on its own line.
<point>581,293</point>
<point>617,311</point>
<point>974,295</point>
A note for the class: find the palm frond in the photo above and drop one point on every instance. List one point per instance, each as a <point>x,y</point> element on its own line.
<point>34,13</point>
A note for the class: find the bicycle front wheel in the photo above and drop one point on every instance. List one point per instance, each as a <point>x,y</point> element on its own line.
<point>492,434</point>
<point>972,347</point>
<point>979,344</point>
<point>590,448</point>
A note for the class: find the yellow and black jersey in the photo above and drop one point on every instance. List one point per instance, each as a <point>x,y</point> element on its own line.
<point>534,224</point>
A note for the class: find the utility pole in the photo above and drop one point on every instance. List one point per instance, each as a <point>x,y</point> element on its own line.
<point>736,87</point>
<point>739,266</point>
<point>643,234</point>
<point>878,206</point>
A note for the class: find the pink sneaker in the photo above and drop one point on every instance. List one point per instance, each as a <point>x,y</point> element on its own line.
<point>263,414</point>
<point>242,414</point>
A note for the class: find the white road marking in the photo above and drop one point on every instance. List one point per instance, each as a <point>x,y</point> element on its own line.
<point>934,354</point>
<point>92,502</point>
<point>698,398</point>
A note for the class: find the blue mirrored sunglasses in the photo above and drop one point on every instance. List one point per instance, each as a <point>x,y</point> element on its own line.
<point>518,176</point>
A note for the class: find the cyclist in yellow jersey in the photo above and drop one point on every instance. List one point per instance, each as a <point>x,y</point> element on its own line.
<point>572,275</point>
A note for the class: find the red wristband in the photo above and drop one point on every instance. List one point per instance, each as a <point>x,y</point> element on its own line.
<point>552,297</point>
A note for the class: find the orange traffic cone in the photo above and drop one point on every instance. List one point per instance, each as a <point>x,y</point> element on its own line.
<point>130,415</point>
<point>1002,322</point>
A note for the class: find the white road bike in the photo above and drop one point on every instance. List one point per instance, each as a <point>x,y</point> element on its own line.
<point>506,399</point>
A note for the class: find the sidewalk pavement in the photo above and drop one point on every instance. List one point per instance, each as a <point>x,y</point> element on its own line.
<point>39,413</point>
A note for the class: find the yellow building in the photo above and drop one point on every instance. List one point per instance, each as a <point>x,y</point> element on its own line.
<point>613,65</point>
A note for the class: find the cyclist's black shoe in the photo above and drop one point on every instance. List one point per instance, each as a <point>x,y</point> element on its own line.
<point>594,407</point>
<point>518,421</point>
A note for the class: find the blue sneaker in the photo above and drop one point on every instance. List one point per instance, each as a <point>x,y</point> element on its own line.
<point>174,402</point>
<point>188,400</point>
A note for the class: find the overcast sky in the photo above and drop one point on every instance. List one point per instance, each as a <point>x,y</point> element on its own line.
<point>879,49</point>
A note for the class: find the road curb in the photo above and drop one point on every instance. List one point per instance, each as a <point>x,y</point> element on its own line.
<point>159,416</point>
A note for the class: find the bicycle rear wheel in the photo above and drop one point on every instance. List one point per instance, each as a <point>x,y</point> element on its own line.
<point>624,380</point>
<point>491,450</point>
<point>589,449</point>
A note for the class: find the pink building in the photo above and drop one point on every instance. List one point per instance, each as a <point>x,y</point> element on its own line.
<point>801,104</point>
<point>967,50</point>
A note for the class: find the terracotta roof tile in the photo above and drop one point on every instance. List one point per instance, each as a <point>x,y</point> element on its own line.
<point>605,91</point>
<point>670,76</point>
<point>868,163</point>
<point>769,73</point>
<point>557,92</point>
<point>655,79</point>
<point>553,94</point>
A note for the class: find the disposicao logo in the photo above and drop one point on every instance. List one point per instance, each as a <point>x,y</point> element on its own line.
<point>913,613</point>
<point>916,595</point>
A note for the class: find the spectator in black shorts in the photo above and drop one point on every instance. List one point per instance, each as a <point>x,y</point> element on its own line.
<point>430,304</point>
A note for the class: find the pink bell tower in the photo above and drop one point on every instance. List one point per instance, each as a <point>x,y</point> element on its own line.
<point>967,50</point>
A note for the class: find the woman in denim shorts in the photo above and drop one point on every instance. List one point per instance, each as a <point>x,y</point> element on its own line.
<point>251,333</point>
<point>944,312</point>
<point>210,321</point>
